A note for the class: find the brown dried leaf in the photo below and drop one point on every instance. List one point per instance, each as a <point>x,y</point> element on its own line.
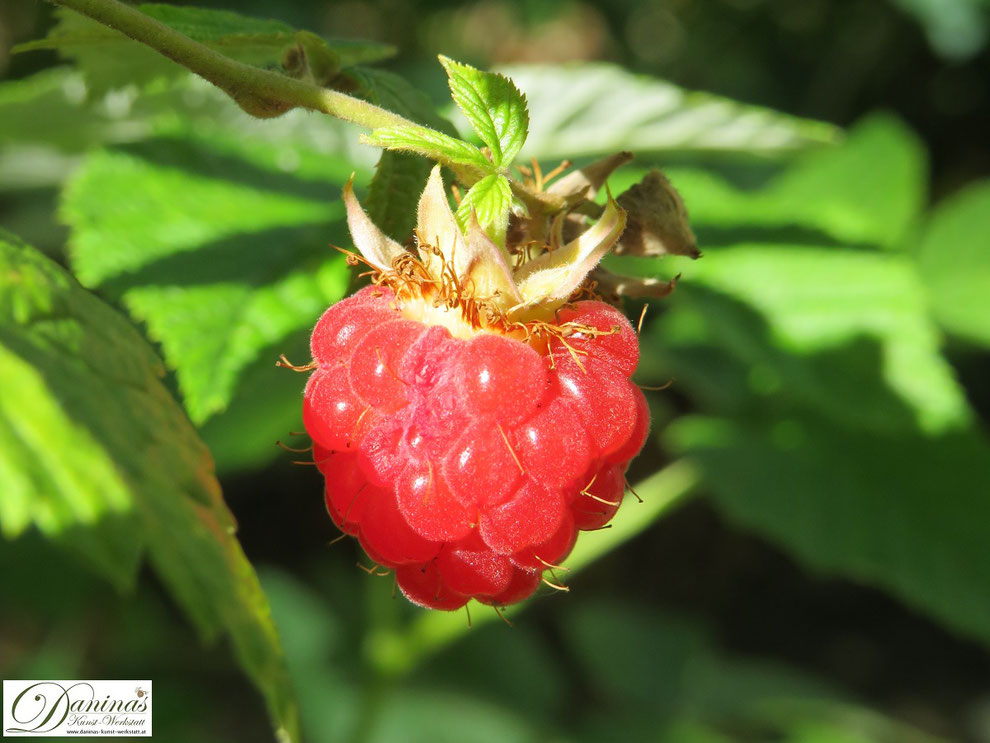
<point>613,287</point>
<point>584,183</point>
<point>657,221</point>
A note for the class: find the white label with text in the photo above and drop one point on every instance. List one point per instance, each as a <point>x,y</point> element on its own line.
<point>62,708</point>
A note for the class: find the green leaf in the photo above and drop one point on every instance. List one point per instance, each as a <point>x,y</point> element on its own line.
<point>222,257</point>
<point>424,716</point>
<point>460,156</point>
<point>899,510</point>
<point>956,29</point>
<point>111,60</point>
<point>490,200</point>
<point>661,677</point>
<point>831,423</point>
<point>600,109</point>
<point>954,259</point>
<point>264,408</point>
<point>48,108</point>
<point>394,191</point>
<point>493,105</point>
<point>869,190</point>
<point>819,323</point>
<point>94,447</point>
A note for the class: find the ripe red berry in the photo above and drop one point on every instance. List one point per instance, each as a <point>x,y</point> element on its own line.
<point>469,464</point>
<point>468,420</point>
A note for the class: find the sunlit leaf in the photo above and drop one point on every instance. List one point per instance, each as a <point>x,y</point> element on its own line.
<point>399,177</point>
<point>493,105</point>
<point>600,109</point>
<point>97,455</point>
<point>869,190</point>
<point>222,259</point>
<point>489,200</point>
<point>843,330</point>
<point>832,424</point>
<point>954,260</point>
<point>421,140</point>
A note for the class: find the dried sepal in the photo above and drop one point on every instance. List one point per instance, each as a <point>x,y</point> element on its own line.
<point>657,220</point>
<point>614,287</point>
<point>586,182</point>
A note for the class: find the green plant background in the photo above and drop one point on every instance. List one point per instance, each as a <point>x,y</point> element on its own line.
<point>811,560</point>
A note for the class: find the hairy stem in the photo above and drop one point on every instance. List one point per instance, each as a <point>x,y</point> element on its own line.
<point>261,93</point>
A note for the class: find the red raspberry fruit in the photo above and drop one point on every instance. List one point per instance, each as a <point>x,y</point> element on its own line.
<point>468,465</point>
<point>468,420</point>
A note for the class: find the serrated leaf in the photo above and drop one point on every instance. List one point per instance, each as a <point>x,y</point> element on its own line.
<point>954,259</point>
<point>832,424</point>
<point>222,258</point>
<point>493,105</point>
<point>490,200</point>
<point>49,108</point>
<point>111,60</point>
<point>599,109</point>
<point>94,446</point>
<point>868,190</point>
<point>462,157</point>
<point>817,322</point>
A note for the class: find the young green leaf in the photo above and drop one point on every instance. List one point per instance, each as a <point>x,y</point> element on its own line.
<point>493,105</point>
<point>490,200</point>
<point>464,159</point>
<point>97,455</point>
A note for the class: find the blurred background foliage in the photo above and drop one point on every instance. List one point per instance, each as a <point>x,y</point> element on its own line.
<point>830,583</point>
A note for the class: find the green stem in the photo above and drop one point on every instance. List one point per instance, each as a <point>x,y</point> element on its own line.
<point>261,93</point>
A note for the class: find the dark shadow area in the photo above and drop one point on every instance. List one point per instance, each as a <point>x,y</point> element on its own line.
<point>733,366</point>
<point>714,237</point>
<point>205,161</point>
<point>255,258</point>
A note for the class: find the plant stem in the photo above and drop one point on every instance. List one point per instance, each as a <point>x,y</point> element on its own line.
<point>261,93</point>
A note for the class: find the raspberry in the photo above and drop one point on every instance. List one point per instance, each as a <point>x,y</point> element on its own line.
<point>469,465</point>
<point>466,440</point>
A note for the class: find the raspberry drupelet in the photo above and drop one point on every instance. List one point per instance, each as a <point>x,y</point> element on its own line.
<point>468,420</point>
